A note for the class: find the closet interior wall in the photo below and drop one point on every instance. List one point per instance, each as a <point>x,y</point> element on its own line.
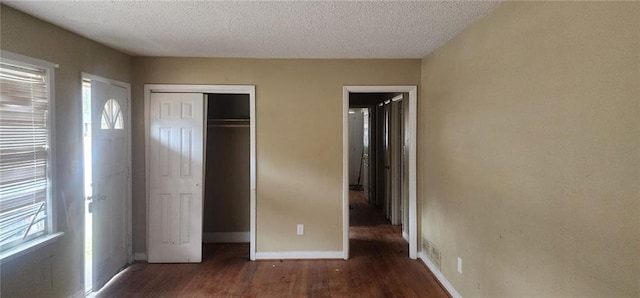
<point>227,172</point>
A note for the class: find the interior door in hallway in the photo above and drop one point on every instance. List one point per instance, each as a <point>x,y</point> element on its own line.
<point>387,161</point>
<point>109,104</point>
<point>175,177</point>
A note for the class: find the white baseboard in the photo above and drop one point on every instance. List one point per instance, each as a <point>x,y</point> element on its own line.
<point>405,236</point>
<point>225,237</point>
<point>274,255</point>
<point>139,256</point>
<point>443,280</point>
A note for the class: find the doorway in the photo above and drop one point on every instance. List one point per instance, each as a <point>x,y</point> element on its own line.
<point>390,158</point>
<point>106,159</point>
<point>168,226</point>
<point>227,169</point>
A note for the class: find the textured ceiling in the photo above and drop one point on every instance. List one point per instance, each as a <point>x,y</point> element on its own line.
<point>295,29</point>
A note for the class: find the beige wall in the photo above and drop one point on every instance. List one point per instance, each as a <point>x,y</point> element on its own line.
<point>299,137</point>
<point>529,157</point>
<point>56,270</point>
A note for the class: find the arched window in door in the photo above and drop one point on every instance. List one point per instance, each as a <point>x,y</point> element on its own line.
<point>112,115</point>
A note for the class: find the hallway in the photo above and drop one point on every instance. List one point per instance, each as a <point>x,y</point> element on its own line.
<point>378,267</point>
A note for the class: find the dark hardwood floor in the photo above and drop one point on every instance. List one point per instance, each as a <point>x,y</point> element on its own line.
<point>378,267</point>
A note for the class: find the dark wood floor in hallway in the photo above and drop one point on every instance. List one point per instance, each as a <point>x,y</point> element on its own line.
<point>378,267</point>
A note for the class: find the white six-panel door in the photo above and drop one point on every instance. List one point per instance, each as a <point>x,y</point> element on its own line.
<point>175,177</point>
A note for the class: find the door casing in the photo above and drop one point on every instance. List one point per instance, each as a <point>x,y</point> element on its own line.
<point>412,90</point>
<point>225,89</point>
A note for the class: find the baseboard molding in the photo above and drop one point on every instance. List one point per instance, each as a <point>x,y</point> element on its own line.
<point>139,256</point>
<point>225,237</point>
<point>299,255</point>
<point>443,280</point>
<point>405,236</point>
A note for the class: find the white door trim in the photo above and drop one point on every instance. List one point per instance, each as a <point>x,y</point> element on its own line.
<point>227,89</point>
<point>128,199</point>
<point>413,205</point>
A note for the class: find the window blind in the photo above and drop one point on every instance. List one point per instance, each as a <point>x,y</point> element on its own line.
<point>24,145</point>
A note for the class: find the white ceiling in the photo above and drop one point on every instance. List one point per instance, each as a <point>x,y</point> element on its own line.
<point>292,29</point>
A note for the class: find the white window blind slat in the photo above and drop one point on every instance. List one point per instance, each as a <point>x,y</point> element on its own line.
<point>24,156</point>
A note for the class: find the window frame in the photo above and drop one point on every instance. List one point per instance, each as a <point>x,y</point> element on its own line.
<point>51,232</point>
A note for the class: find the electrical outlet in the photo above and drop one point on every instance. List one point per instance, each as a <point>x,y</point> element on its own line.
<point>459,265</point>
<point>300,229</point>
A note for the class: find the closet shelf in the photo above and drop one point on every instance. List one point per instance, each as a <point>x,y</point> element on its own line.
<point>229,120</point>
<point>228,123</point>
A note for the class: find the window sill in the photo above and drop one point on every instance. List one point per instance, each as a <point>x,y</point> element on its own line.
<point>28,247</point>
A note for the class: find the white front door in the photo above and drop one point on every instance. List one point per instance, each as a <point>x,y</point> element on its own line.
<point>175,177</point>
<point>110,172</point>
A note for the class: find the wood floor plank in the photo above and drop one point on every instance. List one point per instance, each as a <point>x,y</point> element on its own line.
<point>378,267</point>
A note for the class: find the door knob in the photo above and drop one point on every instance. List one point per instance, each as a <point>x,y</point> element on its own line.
<point>97,197</point>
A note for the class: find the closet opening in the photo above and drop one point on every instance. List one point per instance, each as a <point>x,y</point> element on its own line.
<point>200,146</point>
<point>227,173</point>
